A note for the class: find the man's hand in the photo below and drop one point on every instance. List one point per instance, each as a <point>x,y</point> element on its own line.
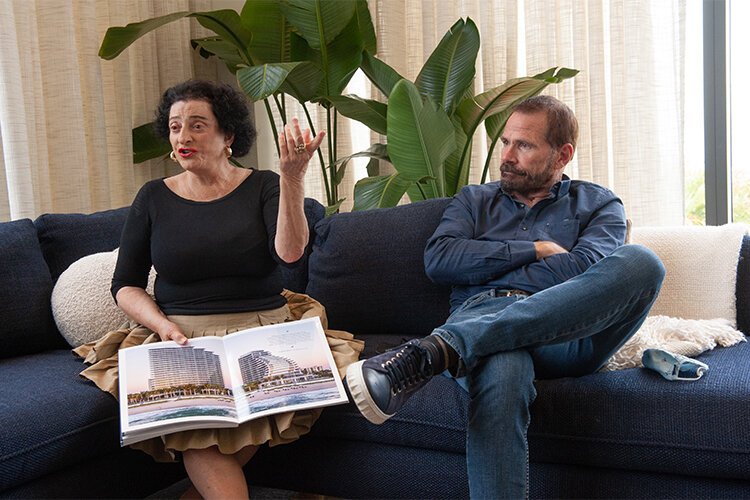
<point>547,248</point>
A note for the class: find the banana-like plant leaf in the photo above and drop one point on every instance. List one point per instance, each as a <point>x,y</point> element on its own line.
<point>319,21</point>
<point>225,23</point>
<point>119,38</point>
<point>380,192</point>
<point>473,111</point>
<point>371,113</point>
<point>332,209</point>
<point>376,152</point>
<point>373,167</point>
<point>147,145</point>
<point>215,46</point>
<point>458,165</point>
<point>365,26</point>
<point>259,82</point>
<point>380,74</point>
<point>450,69</point>
<point>303,81</point>
<point>339,60</point>
<point>266,21</point>
<point>420,136</point>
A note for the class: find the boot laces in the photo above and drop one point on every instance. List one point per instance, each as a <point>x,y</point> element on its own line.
<point>409,366</point>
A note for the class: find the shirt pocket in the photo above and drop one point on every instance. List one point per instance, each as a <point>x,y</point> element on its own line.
<point>564,232</point>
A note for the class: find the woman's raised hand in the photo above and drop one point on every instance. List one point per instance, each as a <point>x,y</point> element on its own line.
<point>296,148</point>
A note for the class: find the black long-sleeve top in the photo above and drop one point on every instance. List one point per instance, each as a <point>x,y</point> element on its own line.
<point>210,257</point>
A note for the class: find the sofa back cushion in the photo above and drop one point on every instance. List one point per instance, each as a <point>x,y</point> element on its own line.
<point>743,287</point>
<point>26,324</point>
<point>295,277</point>
<point>65,238</point>
<point>367,269</point>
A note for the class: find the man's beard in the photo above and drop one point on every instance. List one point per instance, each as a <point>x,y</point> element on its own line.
<point>525,183</point>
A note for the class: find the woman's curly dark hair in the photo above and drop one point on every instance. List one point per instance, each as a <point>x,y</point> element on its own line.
<point>228,105</point>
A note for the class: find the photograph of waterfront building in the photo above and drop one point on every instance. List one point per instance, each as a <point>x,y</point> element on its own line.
<point>262,370</point>
<point>223,381</point>
<point>271,381</point>
<point>183,376</point>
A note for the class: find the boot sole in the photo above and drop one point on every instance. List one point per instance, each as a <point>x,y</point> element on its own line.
<point>358,389</point>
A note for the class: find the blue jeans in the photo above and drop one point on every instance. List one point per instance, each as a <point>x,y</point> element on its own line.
<point>568,330</point>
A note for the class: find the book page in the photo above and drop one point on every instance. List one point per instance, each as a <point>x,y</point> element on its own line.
<point>165,387</point>
<point>282,367</point>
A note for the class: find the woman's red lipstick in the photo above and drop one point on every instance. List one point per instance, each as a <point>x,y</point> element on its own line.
<point>186,152</point>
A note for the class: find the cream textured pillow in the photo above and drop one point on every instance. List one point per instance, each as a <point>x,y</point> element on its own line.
<point>82,304</point>
<point>701,265</point>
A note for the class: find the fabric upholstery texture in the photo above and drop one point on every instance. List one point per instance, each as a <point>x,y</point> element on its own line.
<point>367,268</point>
<point>295,277</point>
<point>636,420</point>
<point>82,303</point>
<point>65,238</point>
<point>689,337</point>
<point>743,288</point>
<point>701,262</point>
<point>61,420</point>
<point>628,433</point>
<point>25,287</point>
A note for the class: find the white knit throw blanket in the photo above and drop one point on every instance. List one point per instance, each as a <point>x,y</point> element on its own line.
<point>688,337</point>
<point>696,308</point>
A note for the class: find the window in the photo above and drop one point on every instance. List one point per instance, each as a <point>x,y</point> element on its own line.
<point>739,106</point>
<point>726,174</point>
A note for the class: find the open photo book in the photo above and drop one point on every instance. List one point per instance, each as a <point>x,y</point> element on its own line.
<point>225,381</point>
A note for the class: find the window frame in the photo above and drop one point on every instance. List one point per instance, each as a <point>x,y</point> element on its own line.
<point>715,119</point>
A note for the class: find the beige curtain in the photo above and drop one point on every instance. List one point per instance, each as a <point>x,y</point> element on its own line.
<point>629,96</point>
<point>66,114</point>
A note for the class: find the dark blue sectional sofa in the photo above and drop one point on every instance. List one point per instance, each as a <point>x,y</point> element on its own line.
<point>619,434</point>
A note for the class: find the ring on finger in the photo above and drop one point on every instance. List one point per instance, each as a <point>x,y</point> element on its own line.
<point>299,148</point>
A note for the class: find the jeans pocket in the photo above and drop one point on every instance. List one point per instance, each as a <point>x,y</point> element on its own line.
<point>474,300</point>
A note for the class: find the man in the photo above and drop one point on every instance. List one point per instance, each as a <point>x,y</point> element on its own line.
<point>543,287</point>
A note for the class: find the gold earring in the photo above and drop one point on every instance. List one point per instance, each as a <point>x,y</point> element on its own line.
<point>229,152</point>
<point>172,156</point>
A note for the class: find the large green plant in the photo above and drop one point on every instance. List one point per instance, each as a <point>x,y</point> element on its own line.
<point>307,49</point>
<point>430,123</point>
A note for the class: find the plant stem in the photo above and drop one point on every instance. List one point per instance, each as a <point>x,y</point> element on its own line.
<point>320,153</point>
<point>334,172</point>
<point>424,195</point>
<point>275,132</point>
<point>281,108</point>
<point>486,168</point>
<point>331,146</point>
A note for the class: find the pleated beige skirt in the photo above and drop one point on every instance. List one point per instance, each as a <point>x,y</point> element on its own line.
<point>274,430</point>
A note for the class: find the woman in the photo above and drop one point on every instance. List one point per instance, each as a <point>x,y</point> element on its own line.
<point>216,235</point>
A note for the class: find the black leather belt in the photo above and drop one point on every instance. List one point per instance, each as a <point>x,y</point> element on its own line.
<point>510,293</point>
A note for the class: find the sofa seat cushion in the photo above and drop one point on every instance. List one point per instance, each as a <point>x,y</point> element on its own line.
<point>25,287</point>
<point>629,419</point>
<point>433,419</point>
<point>50,418</point>
<point>636,420</point>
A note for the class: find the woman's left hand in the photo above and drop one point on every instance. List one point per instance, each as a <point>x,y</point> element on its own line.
<point>296,148</point>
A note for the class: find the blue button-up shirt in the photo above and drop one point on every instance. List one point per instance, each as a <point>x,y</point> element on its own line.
<point>486,238</point>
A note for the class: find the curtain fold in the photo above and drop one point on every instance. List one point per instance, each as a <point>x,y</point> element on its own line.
<point>629,96</point>
<point>66,115</point>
